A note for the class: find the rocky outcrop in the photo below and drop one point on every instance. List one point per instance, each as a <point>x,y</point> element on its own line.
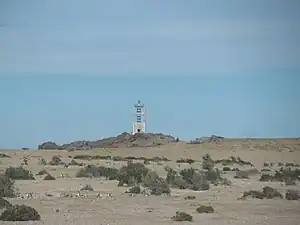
<point>212,139</point>
<point>48,145</point>
<point>124,140</point>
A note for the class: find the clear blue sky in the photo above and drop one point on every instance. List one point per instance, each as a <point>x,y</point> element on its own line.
<point>72,70</point>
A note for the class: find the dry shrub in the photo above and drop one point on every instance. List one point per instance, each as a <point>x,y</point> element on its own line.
<point>132,171</point>
<point>75,163</point>
<point>287,175</point>
<point>87,187</point>
<point>190,197</point>
<point>4,203</point>
<point>208,162</point>
<point>182,216</point>
<point>56,161</point>
<point>49,177</point>
<point>226,169</point>
<point>233,160</point>
<point>157,185</point>
<point>2,155</point>
<point>42,161</point>
<point>189,161</point>
<point>292,194</point>
<point>267,192</point>
<point>242,174</point>
<point>42,172</point>
<point>101,171</point>
<point>18,173</point>
<point>20,213</point>
<point>205,209</point>
<point>7,186</point>
<point>134,190</point>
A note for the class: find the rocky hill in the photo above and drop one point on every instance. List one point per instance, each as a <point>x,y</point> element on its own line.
<point>121,141</point>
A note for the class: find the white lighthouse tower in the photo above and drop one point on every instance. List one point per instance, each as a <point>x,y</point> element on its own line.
<point>139,124</point>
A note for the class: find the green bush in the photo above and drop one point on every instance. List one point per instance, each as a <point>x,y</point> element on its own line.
<point>7,186</point>
<point>19,173</point>
<point>20,213</point>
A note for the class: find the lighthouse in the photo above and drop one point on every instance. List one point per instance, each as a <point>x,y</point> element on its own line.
<point>139,123</point>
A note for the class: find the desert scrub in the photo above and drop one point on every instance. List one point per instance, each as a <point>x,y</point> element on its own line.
<point>208,162</point>
<point>42,172</point>
<point>4,203</point>
<point>18,173</point>
<point>7,186</point>
<point>182,216</point>
<point>205,209</point>
<point>101,171</point>
<point>196,181</point>
<point>87,187</point>
<point>56,161</point>
<point>49,177</point>
<point>132,171</point>
<point>190,197</point>
<point>2,155</point>
<point>75,163</point>
<point>20,213</point>
<point>226,169</point>
<point>134,190</point>
<point>292,194</point>
<point>267,192</point>
<point>42,161</point>
<point>189,161</point>
<point>156,184</point>
<point>242,174</point>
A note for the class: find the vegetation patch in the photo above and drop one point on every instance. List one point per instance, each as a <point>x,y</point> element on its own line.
<point>267,192</point>
<point>56,161</point>
<point>49,177</point>
<point>75,163</point>
<point>205,209</point>
<point>18,173</point>
<point>42,172</point>
<point>189,161</point>
<point>190,197</point>
<point>287,175</point>
<point>182,216</point>
<point>4,203</point>
<point>7,186</point>
<point>2,155</point>
<point>292,194</point>
<point>100,171</point>
<point>233,160</point>
<point>134,190</point>
<point>87,187</point>
<point>131,174</point>
<point>20,213</point>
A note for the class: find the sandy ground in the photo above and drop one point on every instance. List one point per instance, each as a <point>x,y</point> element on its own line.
<point>136,210</point>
